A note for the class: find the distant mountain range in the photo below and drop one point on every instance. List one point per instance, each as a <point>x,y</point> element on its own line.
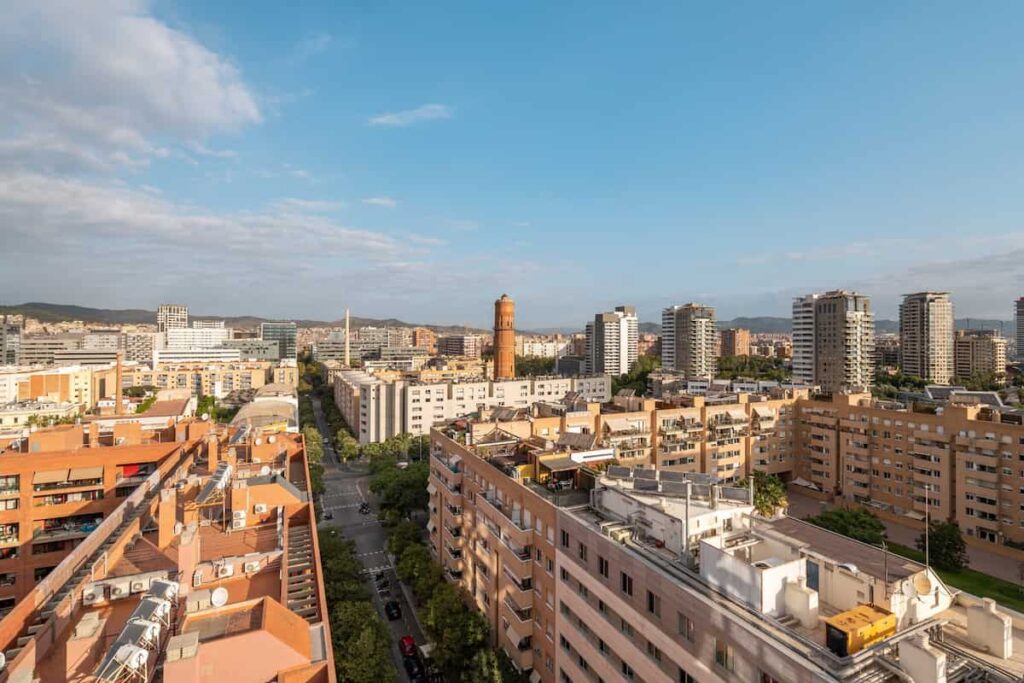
<point>51,313</point>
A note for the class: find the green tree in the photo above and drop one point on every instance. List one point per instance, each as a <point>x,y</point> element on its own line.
<point>402,535</point>
<point>753,367</point>
<point>492,666</point>
<point>636,378</point>
<point>533,366</point>
<point>769,493</point>
<point>314,444</point>
<point>366,658</point>
<point>857,523</point>
<point>402,490</point>
<point>947,549</point>
<point>456,631</point>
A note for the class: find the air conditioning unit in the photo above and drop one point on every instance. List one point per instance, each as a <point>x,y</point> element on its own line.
<point>238,524</point>
<point>238,514</point>
<point>225,571</point>
<point>119,590</point>
<point>259,508</point>
<point>94,594</point>
<point>141,584</point>
<point>253,566</point>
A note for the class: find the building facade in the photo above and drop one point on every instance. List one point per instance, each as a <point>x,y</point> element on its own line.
<point>461,345</point>
<point>926,336</point>
<point>612,342</point>
<point>171,316</point>
<point>284,333</point>
<point>10,341</point>
<point>693,333</point>
<point>834,340</point>
<point>735,342</point>
<point>1019,319</point>
<point>980,352</point>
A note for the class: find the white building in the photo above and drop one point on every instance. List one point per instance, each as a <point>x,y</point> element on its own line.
<point>169,316</point>
<point>196,355</point>
<point>612,342</point>
<point>834,340</point>
<point>196,337</point>
<point>379,408</point>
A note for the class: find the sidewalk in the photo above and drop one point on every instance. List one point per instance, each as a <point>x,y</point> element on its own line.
<point>981,560</point>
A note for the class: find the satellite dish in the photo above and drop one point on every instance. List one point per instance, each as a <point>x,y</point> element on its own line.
<point>3,661</point>
<point>265,470</point>
<point>922,584</point>
<point>219,597</point>
<point>259,441</point>
<point>271,439</point>
<point>204,417</point>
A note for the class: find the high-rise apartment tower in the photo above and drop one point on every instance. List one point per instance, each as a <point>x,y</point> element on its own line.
<point>688,335</point>
<point>504,338</point>
<point>834,340</point>
<point>926,336</point>
<point>612,340</point>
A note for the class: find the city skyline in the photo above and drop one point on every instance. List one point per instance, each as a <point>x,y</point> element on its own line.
<point>416,166</point>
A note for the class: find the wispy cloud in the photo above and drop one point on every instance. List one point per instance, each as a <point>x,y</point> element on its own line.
<point>309,205</point>
<point>462,224</point>
<point>386,202</point>
<point>426,240</point>
<point>310,46</point>
<point>398,119</point>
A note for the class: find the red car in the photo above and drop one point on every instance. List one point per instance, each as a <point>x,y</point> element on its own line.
<point>408,646</point>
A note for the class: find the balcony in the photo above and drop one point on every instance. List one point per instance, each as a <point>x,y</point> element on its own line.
<point>454,553</point>
<point>452,464</point>
<point>519,651</point>
<point>519,589</point>
<point>10,492</point>
<point>516,557</point>
<point>520,621</point>
<point>519,532</point>
<point>65,531</point>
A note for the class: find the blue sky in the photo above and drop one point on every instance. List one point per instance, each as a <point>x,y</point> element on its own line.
<point>415,160</point>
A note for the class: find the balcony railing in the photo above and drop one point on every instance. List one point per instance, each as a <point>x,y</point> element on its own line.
<point>513,516</point>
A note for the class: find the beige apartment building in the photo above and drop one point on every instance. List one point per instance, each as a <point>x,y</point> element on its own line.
<point>833,340</point>
<point>589,570</point>
<point>212,379</point>
<point>980,352</point>
<point>926,336</point>
<point>735,342</point>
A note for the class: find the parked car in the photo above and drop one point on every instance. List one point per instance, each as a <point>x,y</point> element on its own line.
<point>415,670</point>
<point>392,610</point>
<point>364,508</point>
<point>407,644</point>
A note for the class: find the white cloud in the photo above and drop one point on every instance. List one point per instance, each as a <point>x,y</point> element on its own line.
<point>94,85</point>
<point>310,205</point>
<point>426,240</point>
<point>426,112</point>
<point>310,46</point>
<point>386,202</point>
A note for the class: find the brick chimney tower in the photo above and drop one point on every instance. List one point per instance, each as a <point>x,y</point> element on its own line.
<point>504,338</point>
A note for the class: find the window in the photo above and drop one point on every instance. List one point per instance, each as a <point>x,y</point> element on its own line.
<point>565,539</point>
<point>653,604</point>
<point>627,672</point>
<point>602,566</point>
<point>724,656</point>
<point>768,678</point>
<point>583,552</point>
<point>626,583</point>
<point>626,627</point>
<point>685,677</point>
<point>564,574</point>
<point>685,626</point>
<point>602,647</point>
<point>653,652</point>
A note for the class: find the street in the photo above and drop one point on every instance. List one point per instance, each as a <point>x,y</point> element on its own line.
<point>347,487</point>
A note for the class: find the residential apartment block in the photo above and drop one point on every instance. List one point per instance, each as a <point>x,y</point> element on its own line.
<point>833,340</point>
<point>461,345</point>
<point>926,336</point>
<point>689,337</point>
<point>378,407</point>
<point>735,342</point>
<point>980,352</point>
<point>212,379</point>
<point>631,573</point>
<point>612,340</point>
<point>186,557</point>
<point>10,341</point>
<point>1019,319</point>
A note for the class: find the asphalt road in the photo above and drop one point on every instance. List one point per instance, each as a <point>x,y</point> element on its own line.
<point>347,487</point>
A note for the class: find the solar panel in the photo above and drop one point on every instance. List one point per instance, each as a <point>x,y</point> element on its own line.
<point>645,484</point>
<point>674,488</point>
<point>618,472</point>
<point>639,473</point>
<point>668,475</point>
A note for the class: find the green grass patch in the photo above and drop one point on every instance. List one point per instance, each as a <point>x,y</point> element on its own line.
<point>1004,592</point>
